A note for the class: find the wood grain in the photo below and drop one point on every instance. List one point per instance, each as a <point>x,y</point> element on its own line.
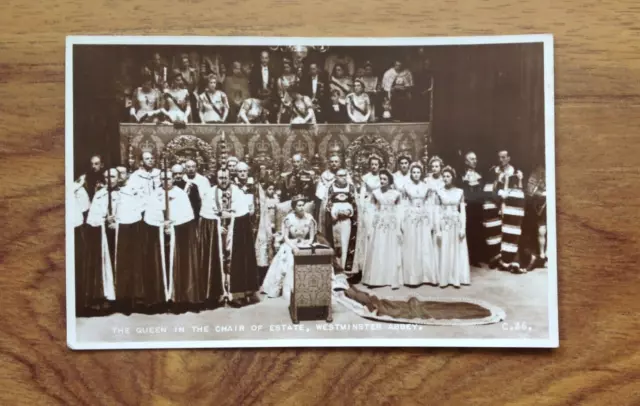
<point>598,116</point>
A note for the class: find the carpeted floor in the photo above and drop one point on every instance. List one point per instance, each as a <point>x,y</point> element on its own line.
<point>523,298</point>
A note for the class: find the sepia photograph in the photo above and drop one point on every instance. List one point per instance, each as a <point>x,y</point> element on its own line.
<point>229,192</point>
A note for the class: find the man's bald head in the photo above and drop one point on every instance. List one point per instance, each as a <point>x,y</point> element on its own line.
<point>177,168</point>
<point>297,161</point>
<point>111,177</point>
<point>148,160</point>
<point>177,171</point>
<point>191,167</point>
<point>112,172</point>
<point>96,163</point>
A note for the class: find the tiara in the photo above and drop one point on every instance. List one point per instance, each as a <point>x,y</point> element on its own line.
<point>403,155</point>
<point>375,156</point>
<point>449,169</point>
<point>298,198</point>
<point>435,158</point>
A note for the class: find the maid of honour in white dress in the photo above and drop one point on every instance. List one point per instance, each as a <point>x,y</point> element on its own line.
<point>434,183</point>
<point>454,257</point>
<point>419,249</point>
<point>366,210</point>
<point>299,229</point>
<point>434,179</point>
<point>383,262</point>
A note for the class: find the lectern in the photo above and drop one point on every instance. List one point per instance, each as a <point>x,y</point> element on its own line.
<point>312,274</point>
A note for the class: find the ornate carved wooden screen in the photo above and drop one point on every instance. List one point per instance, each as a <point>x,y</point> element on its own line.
<point>274,145</point>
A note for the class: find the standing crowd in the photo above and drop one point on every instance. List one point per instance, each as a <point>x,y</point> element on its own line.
<point>175,240</point>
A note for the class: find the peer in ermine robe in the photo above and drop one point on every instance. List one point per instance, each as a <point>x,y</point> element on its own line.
<point>190,188</point>
<point>100,237</point>
<point>147,178</point>
<point>125,219</point>
<point>226,252</point>
<point>171,274</point>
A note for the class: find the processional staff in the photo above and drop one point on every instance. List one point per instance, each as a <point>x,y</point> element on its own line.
<point>109,205</point>
<point>167,216</point>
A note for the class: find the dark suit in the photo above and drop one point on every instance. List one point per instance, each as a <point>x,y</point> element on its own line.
<point>268,93</point>
<point>322,89</point>
<point>321,96</point>
<point>257,86</point>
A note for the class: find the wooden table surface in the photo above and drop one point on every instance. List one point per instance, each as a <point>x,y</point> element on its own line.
<point>598,116</point>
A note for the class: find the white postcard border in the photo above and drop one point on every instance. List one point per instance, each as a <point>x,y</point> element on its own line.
<point>549,90</point>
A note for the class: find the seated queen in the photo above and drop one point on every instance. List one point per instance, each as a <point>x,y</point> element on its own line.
<point>299,231</point>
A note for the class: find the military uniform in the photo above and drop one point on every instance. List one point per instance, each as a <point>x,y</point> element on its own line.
<point>300,182</point>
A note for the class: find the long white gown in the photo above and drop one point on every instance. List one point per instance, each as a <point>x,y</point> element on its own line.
<point>419,250</point>
<point>453,254</point>
<point>279,278</point>
<point>366,211</point>
<point>383,263</point>
<point>433,186</point>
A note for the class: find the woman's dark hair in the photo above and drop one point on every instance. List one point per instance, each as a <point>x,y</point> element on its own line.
<point>335,68</point>
<point>144,78</point>
<point>403,157</point>
<point>388,174</point>
<point>295,200</point>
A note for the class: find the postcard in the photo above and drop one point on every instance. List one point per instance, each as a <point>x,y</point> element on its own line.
<point>229,192</point>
